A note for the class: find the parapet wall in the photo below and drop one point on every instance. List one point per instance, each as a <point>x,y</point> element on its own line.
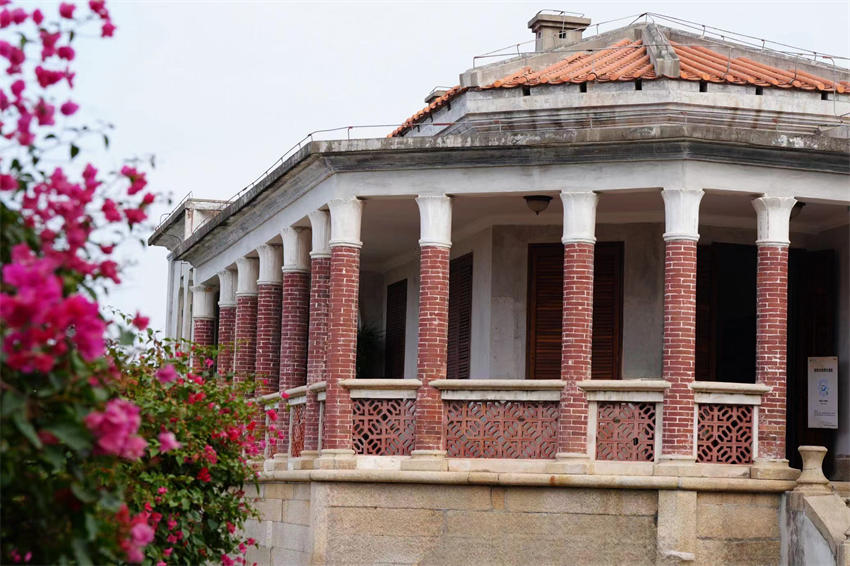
<point>351,522</point>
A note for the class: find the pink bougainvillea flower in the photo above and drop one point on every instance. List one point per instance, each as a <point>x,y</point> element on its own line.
<point>271,414</point>
<point>107,30</point>
<point>66,10</point>
<point>140,322</point>
<point>204,475</point>
<point>68,108</point>
<point>168,442</point>
<point>110,211</point>
<point>284,395</point>
<point>37,17</point>
<point>209,362</point>
<point>162,490</point>
<point>166,374</point>
<point>115,429</point>
<point>226,560</point>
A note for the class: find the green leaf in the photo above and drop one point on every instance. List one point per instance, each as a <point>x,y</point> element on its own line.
<point>26,429</point>
<point>91,526</point>
<point>82,493</point>
<point>81,552</point>
<point>72,434</point>
<point>74,151</point>
<point>12,402</point>
<point>105,141</point>
<point>55,456</point>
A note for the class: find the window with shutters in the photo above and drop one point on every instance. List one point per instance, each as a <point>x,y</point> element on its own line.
<point>460,317</point>
<point>396,322</point>
<point>545,302</point>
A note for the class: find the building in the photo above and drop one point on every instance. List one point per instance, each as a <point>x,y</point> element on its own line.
<point>562,314</point>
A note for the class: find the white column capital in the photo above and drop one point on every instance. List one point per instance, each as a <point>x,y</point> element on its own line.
<point>227,288</point>
<point>296,243</point>
<point>774,219</point>
<point>247,269</point>
<point>579,217</point>
<point>435,220</point>
<point>681,214</point>
<point>203,302</point>
<point>270,261</point>
<point>346,216</point>
<point>320,223</point>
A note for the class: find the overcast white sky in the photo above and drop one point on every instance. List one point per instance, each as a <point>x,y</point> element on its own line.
<point>219,90</point>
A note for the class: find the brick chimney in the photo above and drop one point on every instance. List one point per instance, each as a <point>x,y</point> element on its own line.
<point>553,29</point>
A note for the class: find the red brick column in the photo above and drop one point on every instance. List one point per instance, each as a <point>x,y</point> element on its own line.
<point>203,332</point>
<point>680,284</point>
<point>226,337</point>
<point>246,320</point>
<point>771,347</point>
<point>342,345</point>
<point>226,321</point>
<point>293,343</point>
<point>576,345</point>
<point>267,364</point>
<point>772,323</point>
<point>320,271</point>
<point>432,345</point>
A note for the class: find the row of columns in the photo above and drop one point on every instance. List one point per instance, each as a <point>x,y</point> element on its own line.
<point>306,328</point>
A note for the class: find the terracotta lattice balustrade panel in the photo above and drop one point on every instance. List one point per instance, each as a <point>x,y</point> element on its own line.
<point>296,440</point>
<point>725,434</point>
<point>383,427</point>
<point>625,431</point>
<point>502,429</point>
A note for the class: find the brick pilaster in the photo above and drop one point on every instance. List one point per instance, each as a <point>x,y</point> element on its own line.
<point>576,346</point>
<point>246,338</point>
<point>432,345</point>
<point>342,345</point>
<point>771,347</point>
<point>226,336</point>
<point>680,274</point>
<point>267,363</point>
<point>320,270</point>
<point>293,344</point>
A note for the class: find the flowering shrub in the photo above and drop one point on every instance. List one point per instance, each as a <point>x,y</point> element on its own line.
<point>84,450</point>
<point>190,481</point>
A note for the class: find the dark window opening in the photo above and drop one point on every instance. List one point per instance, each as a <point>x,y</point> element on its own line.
<point>562,34</point>
<point>638,84</point>
<point>526,91</point>
<point>395,328</point>
<point>460,317</point>
<point>582,87</point>
<point>824,96</point>
<point>703,86</point>
<point>759,90</point>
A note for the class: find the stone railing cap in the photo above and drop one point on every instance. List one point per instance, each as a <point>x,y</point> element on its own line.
<point>267,399</point>
<point>725,387</point>
<point>380,383</point>
<point>297,391</point>
<point>318,386</point>
<point>624,385</point>
<point>498,384</point>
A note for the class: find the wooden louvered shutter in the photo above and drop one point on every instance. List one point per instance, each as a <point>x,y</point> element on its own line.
<point>460,317</point>
<point>545,301</point>
<point>395,329</point>
<point>607,310</point>
<point>545,304</point>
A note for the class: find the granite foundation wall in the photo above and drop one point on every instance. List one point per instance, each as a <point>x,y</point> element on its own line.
<point>389,523</point>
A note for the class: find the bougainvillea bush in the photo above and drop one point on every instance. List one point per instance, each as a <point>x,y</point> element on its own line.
<point>108,453</point>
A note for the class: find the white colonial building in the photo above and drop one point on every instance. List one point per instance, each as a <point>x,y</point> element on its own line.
<point>606,265</point>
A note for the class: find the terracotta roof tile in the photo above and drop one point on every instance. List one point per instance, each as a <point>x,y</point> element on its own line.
<point>628,60</point>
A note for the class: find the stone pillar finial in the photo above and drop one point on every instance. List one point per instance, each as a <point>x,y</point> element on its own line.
<point>227,288</point>
<point>320,224</point>
<point>579,217</point>
<point>247,269</point>
<point>203,302</point>
<point>346,216</point>
<point>681,213</point>
<point>435,220</point>
<point>774,218</point>
<point>812,479</point>
<point>270,261</point>
<point>296,248</point>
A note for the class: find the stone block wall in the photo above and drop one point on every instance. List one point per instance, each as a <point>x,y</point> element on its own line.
<point>383,523</point>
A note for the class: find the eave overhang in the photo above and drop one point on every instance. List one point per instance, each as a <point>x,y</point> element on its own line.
<point>320,160</point>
